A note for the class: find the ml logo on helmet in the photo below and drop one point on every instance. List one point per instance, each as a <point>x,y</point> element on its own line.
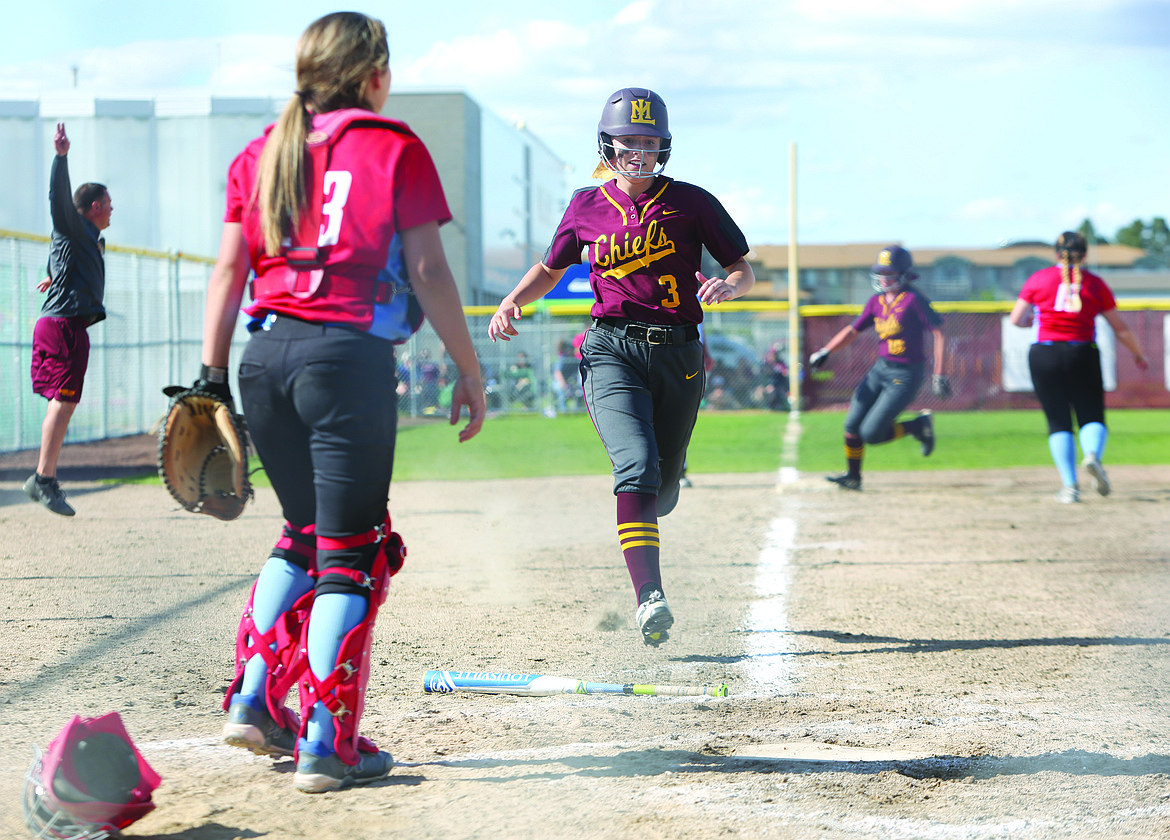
<point>640,111</point>
<point>884,258</point>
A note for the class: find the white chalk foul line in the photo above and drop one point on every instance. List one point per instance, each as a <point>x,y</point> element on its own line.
<point>768,668</point>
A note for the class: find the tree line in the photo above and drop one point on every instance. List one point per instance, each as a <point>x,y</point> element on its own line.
<point>1153,237</point>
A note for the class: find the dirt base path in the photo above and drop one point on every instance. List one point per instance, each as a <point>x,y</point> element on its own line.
<point>945,655</point>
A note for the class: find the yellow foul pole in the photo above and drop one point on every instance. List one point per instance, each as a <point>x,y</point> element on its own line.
<point>795,364</point>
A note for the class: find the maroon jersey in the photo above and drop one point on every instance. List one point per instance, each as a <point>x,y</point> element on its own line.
<point>644,252</point>
<point>901,326</point>
<point>369,178</point>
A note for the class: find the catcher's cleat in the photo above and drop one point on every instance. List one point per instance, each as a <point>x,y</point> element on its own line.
<point>323,773</point>
<point>654,619</point>
<point>1068,495</point>
<point>1097,472</point>
<point>845,481</point>
<point>925,434</point>
<point>255,730</point>
<point>49,494</point>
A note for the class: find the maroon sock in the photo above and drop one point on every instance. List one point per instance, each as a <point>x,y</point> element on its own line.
<point>637,525</point>
<point>854,452</point>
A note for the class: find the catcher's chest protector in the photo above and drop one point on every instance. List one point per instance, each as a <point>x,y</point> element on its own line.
<point>332,271</point>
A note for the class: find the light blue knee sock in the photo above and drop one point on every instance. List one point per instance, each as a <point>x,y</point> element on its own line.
<point>280,585</point>
<point>334,615</point>
<point>1093,437</point>
<point>1063,447</point>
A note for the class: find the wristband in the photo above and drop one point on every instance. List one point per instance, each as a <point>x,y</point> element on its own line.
<point>215,375</point>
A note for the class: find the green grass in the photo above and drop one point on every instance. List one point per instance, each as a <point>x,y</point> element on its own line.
<point>973,440</point>
<point>525,446</point>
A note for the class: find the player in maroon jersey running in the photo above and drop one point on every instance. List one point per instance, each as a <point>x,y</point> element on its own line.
<point>902,316</point>
<point>642,360</point>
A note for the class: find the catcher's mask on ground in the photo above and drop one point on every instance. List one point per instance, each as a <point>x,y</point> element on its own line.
<point>89,784</point>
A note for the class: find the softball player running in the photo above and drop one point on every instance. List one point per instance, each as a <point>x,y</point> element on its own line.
<point>642,360</point>
<point>902,316</point>
<point>1065,363</point>
<point>337,210</point>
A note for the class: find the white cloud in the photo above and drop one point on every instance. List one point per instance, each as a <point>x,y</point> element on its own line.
<point>231,63</point>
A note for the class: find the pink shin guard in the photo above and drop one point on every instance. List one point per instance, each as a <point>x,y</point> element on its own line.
<point>343,691</point>
<point>280,646</point>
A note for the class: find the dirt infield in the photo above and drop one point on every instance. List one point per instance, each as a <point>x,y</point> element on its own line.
<point>945,655</point>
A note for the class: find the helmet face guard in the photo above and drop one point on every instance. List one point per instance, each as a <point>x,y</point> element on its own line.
<point>90,782</point>
<point>633,112</point>
<point>893,270</point>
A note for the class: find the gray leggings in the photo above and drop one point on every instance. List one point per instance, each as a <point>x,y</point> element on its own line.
<point>643,400</point>
<point>886,391</point>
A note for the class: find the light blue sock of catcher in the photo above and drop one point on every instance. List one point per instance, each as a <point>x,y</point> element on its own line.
<point>1093,437</point>
<point>1063,447</point>
<point>280,585</point>
<point>334,615</point>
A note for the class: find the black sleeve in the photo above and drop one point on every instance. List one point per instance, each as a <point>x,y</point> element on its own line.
<point>66,219</point>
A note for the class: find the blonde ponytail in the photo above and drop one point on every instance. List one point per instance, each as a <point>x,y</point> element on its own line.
<point>1071,291</point>
<point>280,183</point>
<point>1070,250</point>
<point>336,56</point>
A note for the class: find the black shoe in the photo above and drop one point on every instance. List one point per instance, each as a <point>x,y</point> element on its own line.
<point>49,494</point>
<point>925,434</point>
<point>845,481</point>
<point>255,730</point>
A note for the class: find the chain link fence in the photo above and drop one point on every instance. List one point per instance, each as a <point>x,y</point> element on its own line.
<point>152,337</point>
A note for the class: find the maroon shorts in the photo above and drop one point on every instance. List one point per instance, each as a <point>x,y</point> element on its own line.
<point>60,355</point>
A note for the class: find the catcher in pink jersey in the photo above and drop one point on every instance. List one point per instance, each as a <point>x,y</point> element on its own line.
<point>1065,362</point>
<point>337,210</point>
<point>642,360</point>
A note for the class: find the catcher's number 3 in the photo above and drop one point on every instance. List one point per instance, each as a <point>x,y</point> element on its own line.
<point>203,455</point>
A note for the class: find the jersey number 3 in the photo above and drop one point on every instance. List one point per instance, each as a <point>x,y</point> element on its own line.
<point>672,299</point>
<point>336,190</point>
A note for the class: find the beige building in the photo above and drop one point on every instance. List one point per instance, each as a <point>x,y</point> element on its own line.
<point>833,274</point>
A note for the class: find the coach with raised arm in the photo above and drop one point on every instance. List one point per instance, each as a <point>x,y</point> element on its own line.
<point>75,290</point>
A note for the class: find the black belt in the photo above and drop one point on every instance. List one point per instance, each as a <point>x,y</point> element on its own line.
<point>648,333</point>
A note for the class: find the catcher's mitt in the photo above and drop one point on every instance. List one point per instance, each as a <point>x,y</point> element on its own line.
<point>203,454</point>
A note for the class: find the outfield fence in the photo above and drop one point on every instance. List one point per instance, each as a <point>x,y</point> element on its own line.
<point>153,334</point>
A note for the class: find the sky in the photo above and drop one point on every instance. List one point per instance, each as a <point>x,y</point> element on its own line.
<point>933,123</point>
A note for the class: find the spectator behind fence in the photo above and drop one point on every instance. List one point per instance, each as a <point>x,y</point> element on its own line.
<point>75,291</point>
<point>521,385</point>
<point>777,388</point>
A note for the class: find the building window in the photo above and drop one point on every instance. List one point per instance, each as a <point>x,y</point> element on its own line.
<point>952,279</point>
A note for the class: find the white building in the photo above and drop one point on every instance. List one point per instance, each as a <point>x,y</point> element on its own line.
<point>165,161</point>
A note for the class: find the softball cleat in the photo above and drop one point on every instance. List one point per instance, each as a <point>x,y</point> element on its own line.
<point>323,773</point>
<point>654,619</point>
<point>1097,472</point>
<point>255,730</point>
